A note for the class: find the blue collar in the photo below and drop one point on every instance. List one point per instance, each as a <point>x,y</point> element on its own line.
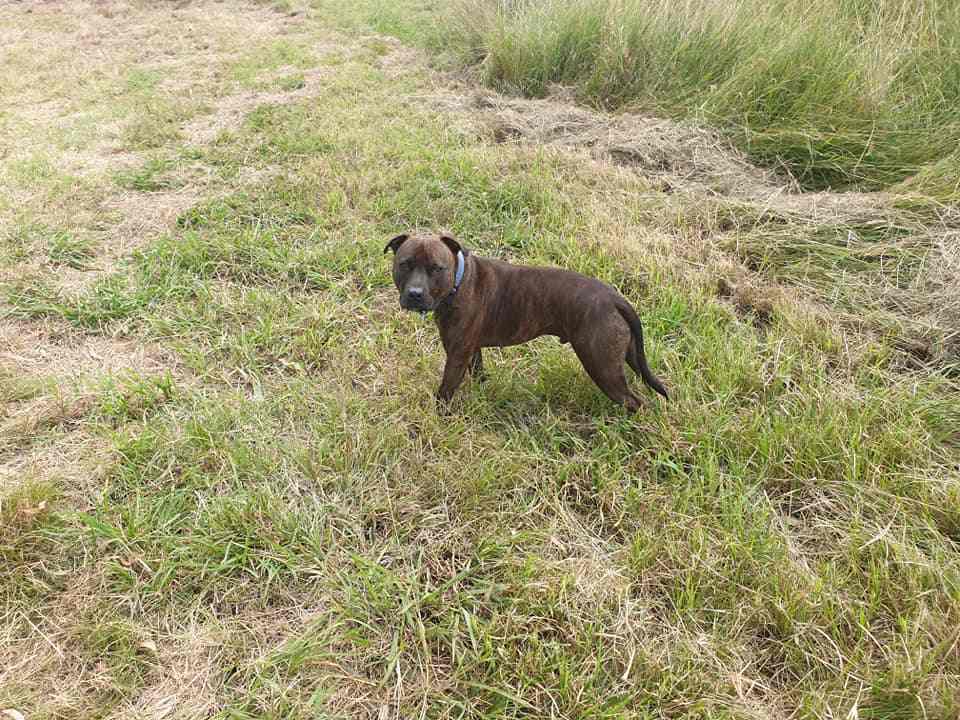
<point>457,278</point>
<point>461,264</point>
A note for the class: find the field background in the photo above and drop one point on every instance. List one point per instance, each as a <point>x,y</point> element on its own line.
<point>224,488</point>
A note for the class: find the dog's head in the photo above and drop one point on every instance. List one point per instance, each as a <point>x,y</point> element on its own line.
<point>424,269</point>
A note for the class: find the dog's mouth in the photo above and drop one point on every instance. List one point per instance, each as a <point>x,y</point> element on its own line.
<point>418,307</point>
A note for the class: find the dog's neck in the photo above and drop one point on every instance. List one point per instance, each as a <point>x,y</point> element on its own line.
<point>447,302</point>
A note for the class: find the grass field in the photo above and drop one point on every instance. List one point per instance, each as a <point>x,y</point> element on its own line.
<point>838,93</point>
<point>224,487</point>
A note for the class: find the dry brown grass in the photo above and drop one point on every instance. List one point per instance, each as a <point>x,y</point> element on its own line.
<point>668,153</point>
<point>54,350</point>
<point>186,676</point>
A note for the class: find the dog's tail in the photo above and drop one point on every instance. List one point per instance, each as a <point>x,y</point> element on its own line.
<point>638,359</point>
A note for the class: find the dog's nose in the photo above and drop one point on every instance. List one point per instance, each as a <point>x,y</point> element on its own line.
<point>415,293</point>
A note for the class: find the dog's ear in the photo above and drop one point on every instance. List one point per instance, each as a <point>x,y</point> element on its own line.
<point>451,242</point>
<point>395,243</point>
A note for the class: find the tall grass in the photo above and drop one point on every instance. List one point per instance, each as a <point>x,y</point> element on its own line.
<point>838,92</point>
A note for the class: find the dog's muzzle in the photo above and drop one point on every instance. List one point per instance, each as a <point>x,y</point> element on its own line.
<point>415,299</point>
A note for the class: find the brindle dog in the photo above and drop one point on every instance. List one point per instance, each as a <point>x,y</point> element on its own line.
<point>479,302</point>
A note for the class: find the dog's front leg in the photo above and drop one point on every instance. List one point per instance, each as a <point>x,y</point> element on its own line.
<point>453,372</point>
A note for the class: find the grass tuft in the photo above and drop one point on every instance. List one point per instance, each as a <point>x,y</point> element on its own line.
<point>837,94</point>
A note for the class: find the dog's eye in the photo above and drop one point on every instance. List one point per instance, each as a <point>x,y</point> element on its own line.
<point>434,269</point>
<point>406,264</point>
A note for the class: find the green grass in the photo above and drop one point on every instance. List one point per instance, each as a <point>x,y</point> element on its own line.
<point>152,176</point>
<point>837,93</point>
<point>67,250</point>
<point>279,524</point>
<point>939,180</point>
<point>272,56</point>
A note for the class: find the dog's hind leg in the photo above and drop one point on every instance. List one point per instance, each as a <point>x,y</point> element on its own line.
<point>604,365</point>
<point>632,360</point>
